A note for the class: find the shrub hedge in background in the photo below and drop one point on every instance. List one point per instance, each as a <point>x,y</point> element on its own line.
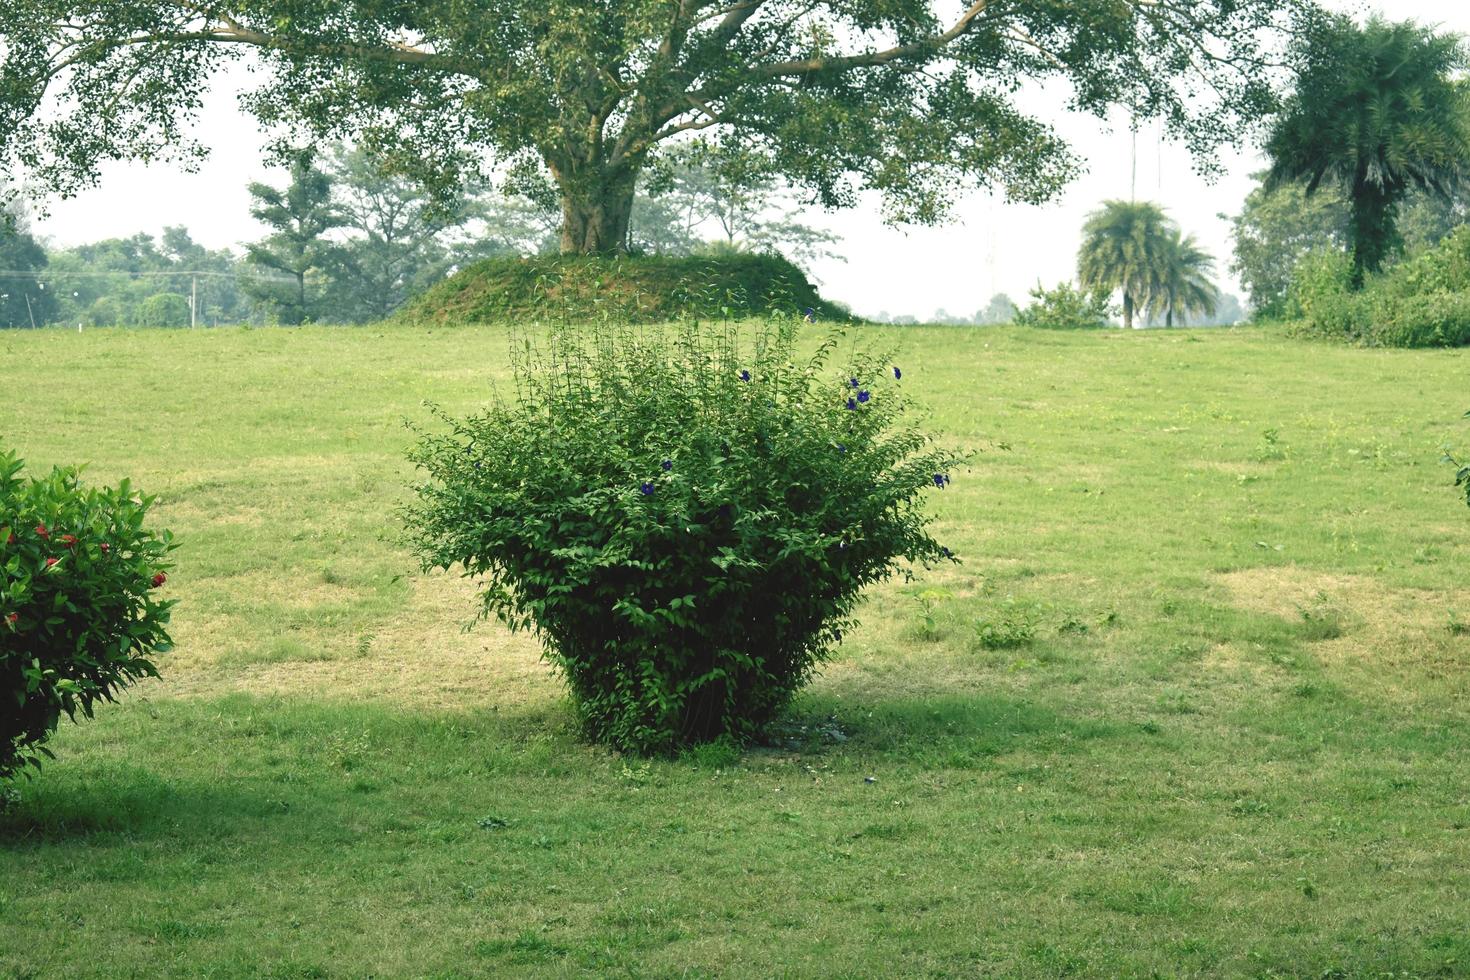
<point>1423,301</point>
<point>81,616</point>
<point>1064,308</point>
<point>685,518</point>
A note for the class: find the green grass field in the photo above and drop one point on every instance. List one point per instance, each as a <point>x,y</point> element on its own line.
<point>1194,704</point>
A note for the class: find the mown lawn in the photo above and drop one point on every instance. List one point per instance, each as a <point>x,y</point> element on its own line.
<point>1235,742</point>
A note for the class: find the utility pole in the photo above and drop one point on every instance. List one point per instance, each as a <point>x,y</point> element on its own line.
<point>194,303</point>
<point>30,312</point>
<point>1133,184</point>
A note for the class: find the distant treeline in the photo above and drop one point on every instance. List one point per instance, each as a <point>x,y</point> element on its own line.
<point>351,244</point>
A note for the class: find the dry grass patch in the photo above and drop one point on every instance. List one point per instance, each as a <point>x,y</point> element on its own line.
<point>423,657</point>
<point>1377,627</point>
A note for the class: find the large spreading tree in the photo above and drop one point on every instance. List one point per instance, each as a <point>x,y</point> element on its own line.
<point>913,99</point>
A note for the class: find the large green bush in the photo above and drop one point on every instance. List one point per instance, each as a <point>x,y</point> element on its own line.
<point>1423,301</point>
<point>164,310</point>
<point>1064,308</point>
<point>685,518</point>
<point>80,611</point>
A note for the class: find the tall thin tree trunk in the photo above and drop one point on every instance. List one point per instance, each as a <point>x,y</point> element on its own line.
<point>1127,311</point>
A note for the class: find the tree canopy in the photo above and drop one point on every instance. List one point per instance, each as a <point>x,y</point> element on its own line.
<point>1378,112</point>
<point>1124,246</point>
<point>913,99</point>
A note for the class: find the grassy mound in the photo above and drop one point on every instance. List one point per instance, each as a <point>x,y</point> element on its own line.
<point>645,289</point>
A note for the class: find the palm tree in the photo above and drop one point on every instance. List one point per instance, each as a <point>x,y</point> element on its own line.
<point>1376,112</point>
<point>1123,247</point>
<point>1185,287</point>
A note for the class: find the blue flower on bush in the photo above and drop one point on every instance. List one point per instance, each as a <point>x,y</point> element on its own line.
<point>646,489</point>
<point>897,374</point>
<point>863,397</point>
<point>667,464</point>
<point>855,383</point>
<point>744,375</point>
<point>940,479</point>
<point>852,404</point>
<point>841,448</point>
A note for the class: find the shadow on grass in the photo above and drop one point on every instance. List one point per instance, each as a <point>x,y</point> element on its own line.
<point>959,728</point>
<point>185,768</point>
<point>124,802</point>
<point>297,769</point>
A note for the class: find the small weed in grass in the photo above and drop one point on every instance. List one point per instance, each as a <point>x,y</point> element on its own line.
<point>1005,632</point>
<point>1271,449</point>
<point>1321,619</point>
<point>929,602</point>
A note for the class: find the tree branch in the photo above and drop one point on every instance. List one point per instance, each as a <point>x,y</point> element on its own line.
<point>872,59</point>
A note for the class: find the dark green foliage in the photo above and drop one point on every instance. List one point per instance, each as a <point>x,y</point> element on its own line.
<point>1377,113</point>
<point>647,289</point>
<point>80,617</point>
<point>1276,229</point>
<point>164,310</point>
<point>23,302</point>
<point>1064,308</point>
<point>911,99</point>
<point>1423,301</point>
<point>686,520</point>
<point>107,283</point>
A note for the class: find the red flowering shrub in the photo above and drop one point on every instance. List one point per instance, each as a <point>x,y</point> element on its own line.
<point>79,617</point>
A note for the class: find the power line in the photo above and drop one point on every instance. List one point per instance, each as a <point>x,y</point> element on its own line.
<point>57,276</point>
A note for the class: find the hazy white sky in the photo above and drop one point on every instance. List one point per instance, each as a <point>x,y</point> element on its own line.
<point>991,247</point>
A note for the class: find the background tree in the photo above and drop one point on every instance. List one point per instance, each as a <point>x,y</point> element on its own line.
<point>301,215</point>
<point>699,196</point>
<point>1377,112</point>
<point>106,283</point>
<point>399,241</point>
<point>1184,287</point>
<point>23,299</point>
<point>1275,229</point>
<point>1124,248</point>
<point>1000,309</point>
<point>912,99</point>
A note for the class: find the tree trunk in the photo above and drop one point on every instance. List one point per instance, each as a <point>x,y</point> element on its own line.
<point>1374,230</point>
<point>596,208</point>
<point>1127,311</point>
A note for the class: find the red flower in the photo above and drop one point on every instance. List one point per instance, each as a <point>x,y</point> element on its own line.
<point>41,531</point>
<point>70,540</point>
<point>105,547</point>
<point>159,579</point>
<point>51,561</point>
<point>12,619</point>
